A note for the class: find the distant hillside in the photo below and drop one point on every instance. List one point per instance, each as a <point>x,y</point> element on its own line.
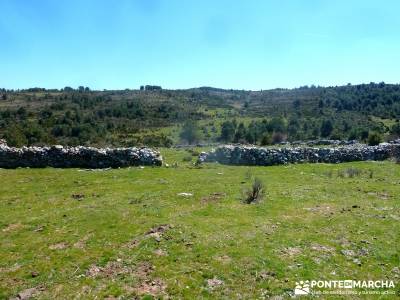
<point>154,117</point>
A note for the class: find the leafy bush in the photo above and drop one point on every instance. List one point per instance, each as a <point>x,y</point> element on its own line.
<point>193,152</point>
<point>374,139</point>
<point>187,158</point>
<point>255,193</point>
<point>266,139</point>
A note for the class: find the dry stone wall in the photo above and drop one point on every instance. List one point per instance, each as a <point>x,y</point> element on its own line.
<point>76,157</point>
<point>256,156</point>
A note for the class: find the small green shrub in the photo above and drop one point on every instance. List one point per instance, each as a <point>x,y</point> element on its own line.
<point>266,139</point>
<point>374,138</point>
<point>193,152</point>
<point>187,158</point>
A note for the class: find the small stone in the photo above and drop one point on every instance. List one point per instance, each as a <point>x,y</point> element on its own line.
<point>39,229</point>
<point>357,261</point>
<point>348,253</point>
<point>185,194</point>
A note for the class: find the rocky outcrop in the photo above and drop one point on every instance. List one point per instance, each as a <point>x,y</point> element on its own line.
<point>77,157</point>
<point>255,156</point>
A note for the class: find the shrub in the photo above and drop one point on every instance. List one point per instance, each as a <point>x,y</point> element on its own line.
<point>266,139</point>
<point>255,193</point>
<point>395,130</point>
<point>187,158</point>
<point>193,152</point>
<point>374,138</point>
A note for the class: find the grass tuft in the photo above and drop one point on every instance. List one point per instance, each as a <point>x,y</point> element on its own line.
<point>255,193</point>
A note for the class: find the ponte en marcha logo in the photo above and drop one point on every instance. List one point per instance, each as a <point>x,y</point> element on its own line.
<point>309,287</point>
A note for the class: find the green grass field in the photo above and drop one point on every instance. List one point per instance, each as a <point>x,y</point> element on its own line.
<point>77,234</point>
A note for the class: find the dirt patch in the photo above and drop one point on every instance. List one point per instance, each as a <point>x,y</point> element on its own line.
<point>82,242</point>
<point>225,259</point>
<point>110,270</point>
<point>158,231</point>
<point>269,229</point>
<point>380,195</point>
<point>154,287</point>
<point>320,209</point>
<point>59,246</point>
<point>292,251</point>
<point>160,252</point>
<point>214,197</point>
<point>214,283</point>
<point>155,232</point>
<point>116,268</point>
<point>28,293</point>
<point>344,242</point>
<point>133,244</point>
<point>14,268</point>
<point>13,227</point>
<point>323,253</point>
<point>265,275</point>
<point>147,286</point>
<point>322,248</point>
<point>143,270</point>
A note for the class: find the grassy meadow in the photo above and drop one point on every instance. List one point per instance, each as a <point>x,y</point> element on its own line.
<point>126,233</point>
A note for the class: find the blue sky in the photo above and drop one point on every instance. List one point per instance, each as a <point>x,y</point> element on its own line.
<point>243,44</point>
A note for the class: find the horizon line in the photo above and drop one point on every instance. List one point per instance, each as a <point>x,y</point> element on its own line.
<point>198,87</point>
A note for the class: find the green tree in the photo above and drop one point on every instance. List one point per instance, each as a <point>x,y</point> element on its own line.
<point>364,135</point>
<point>15,136</point>
<point>395,130</point>
<point>277,124</point>
<point>228,129</point>
<point>240,134</point>
<point>326,128</point>
<point>293,128</point>
<point>190,132</point>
